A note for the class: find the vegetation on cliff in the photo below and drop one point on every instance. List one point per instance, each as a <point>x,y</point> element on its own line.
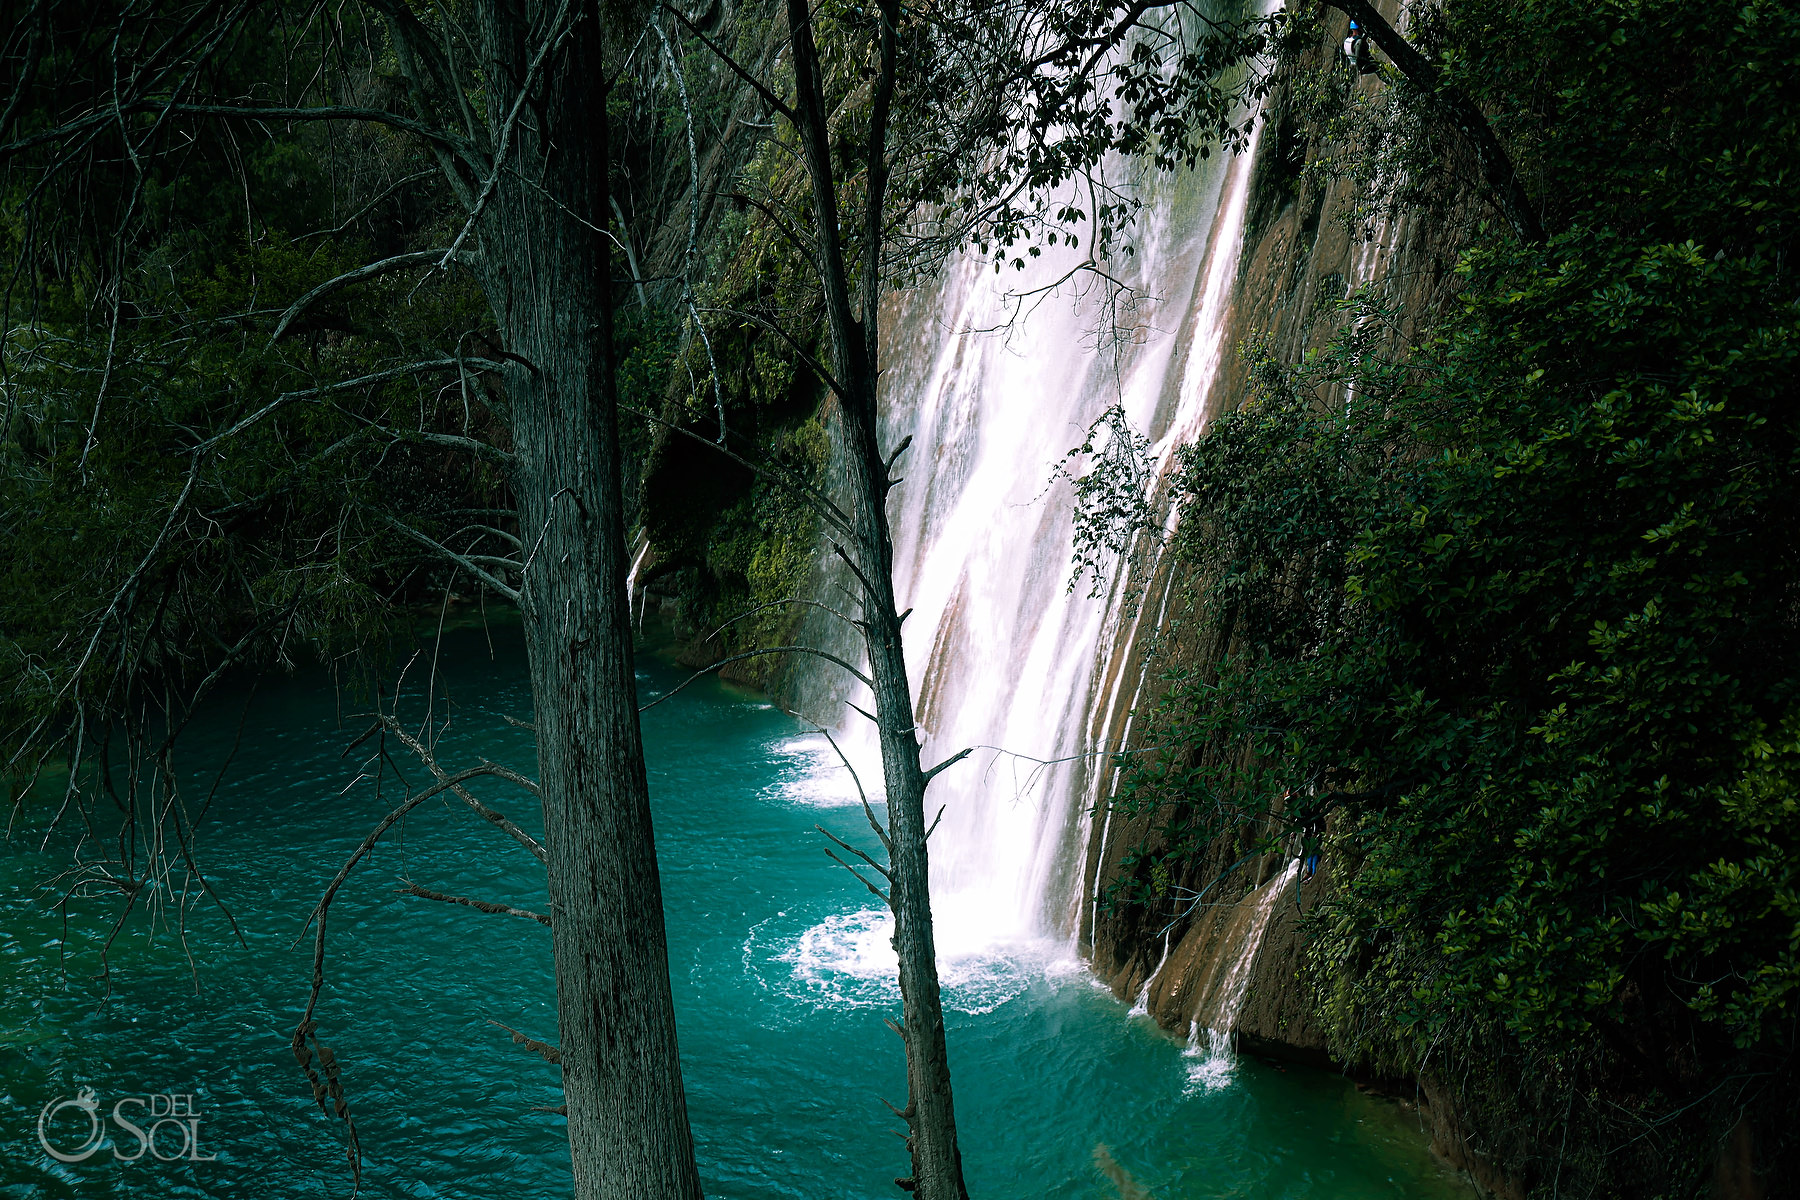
<point>1508,606</point>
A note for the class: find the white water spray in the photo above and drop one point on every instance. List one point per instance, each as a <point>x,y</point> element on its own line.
<point>1003,655</point>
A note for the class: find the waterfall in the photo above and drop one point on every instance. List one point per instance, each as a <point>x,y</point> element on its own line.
<point>635,598</point>
<point>994,385</point>
<point>1210,1041</point>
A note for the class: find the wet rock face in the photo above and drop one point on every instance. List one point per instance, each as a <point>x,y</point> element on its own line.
<point>1297,262</point>
<point>1299,258</point>
<point>1300,255</point>
<point>1234,964</point>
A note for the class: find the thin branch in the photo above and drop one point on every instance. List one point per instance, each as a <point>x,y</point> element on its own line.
<point>888,466</point>
<point>705,340</point>
<point>935,820</point>
<point>630,253</point>
<point>886,842</point>
<point>777,604</point>
<point>886,874</point>
<point>364,211</point>
<point>368,271</point>
<point>553,37</point>
<point>820,503</point>
<point>460,560</point>
<point>343,385</point>
<point>544,1050</point>
<point>879,894</point>
<point>475,446</point>
<point>725,662</point>
<point>323,112</point>
<point>498,820</point>
<point>770,98</point>
<point>949,762</point>
<point>486,906</point>
<point>868,588</point>
<point>320,909</point>
<point>812,364</point>
<point>787,231</point>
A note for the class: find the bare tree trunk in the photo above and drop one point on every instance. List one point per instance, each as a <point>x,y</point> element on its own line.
<point>929,1111</point>
<point>550,281</point>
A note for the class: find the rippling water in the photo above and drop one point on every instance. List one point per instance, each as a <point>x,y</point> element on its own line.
<point>782,977</point>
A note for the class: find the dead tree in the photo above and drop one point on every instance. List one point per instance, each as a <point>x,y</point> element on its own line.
<point>855,341</point>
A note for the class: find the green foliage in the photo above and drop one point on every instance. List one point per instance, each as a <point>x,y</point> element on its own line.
<point>156,535</point>
<point>1514,607</point>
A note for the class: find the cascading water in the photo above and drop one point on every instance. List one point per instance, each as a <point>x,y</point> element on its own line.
<point>994,376</point>
<point>1210,1042</point>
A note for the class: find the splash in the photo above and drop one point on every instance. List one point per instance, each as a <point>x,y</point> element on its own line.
<point>1211,1049</point>
<point>846,961</point>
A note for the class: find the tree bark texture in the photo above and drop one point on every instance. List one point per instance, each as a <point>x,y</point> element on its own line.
<point>929,1112</point>
<point>549,278</point>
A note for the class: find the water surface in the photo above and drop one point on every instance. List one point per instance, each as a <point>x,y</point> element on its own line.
<point>781,971</point>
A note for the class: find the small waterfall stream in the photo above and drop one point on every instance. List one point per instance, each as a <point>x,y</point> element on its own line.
<point>1210,1041</point>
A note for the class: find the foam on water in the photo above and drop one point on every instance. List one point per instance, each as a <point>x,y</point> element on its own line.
<point>1211,1060</point>
<point>811,775</point>
<point>846,961</point>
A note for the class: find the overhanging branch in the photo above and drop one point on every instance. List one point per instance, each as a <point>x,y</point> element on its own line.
<point>725,662</point>
<point>367,271</point>
<point>1497,167</point>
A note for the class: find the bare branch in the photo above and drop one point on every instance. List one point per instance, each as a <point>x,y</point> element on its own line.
<point>812,364</point>
<point>460,560</point>
<point>887,842</point>
<point>367,271</point>
<point>553,37</point>
<point>868,588</point>
<point>323,112</point>
<point>888,466</point>
<point>368,843</point>
<point>424,755</point>
<point>725,662</point>
<point>820,503</point>
<point>807,250</point>
<point>935,820</point>
<point>343,385</point>
<point>475,446</point>
<point>544,1050</point>
<point>364,211</point>
<point>486,906</point>
<point>886,874</point>
<point>951,761</point>
<point>777,604</point>
<point>770,98</point>
<point>881,895</point>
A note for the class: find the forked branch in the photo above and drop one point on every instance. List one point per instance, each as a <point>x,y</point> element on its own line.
<point>498,820</point>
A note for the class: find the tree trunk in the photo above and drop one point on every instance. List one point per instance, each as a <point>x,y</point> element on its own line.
<point>549,276</point>
<point>1497,170</point>
<point>929,1112</point>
